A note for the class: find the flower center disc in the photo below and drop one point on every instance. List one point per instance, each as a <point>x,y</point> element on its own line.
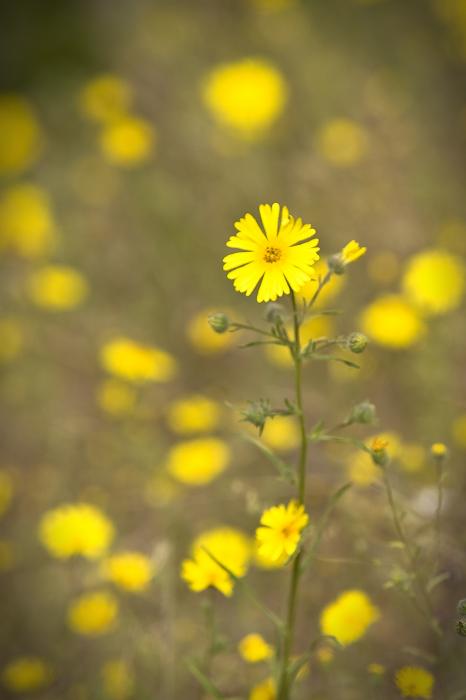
<point>272,254</point>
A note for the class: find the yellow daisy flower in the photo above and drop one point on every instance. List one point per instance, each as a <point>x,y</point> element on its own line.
<point>281,530</point>
<point>281,255</point>
<point>253,648</point>
<point>131,571</point>
<point>392,321</point>
<point>434,281</point>
<point>348,617</point>
<point>76,529</point>
<point>20,135</point>
<point>26,674</point>
<point>93,614</point>
<point>197,462</point>
<point>193,414</point>
<point>27,224</point>
<point>264,690</point>
<point>351,252</point>
<point>414,682</point>
<point>137,363</point>
<point>57,287</point>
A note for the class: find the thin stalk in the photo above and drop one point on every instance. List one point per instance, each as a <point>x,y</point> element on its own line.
<point>283,683</point>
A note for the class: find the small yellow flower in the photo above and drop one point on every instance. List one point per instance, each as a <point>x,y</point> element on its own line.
<point>414,682</point>
<point>246,96</point>
<point>361,470</point>
<point>6,491</point>
<point>262,561</point>
<point>137,363</point>
<point>281,530</point>
<point>57,287</point>
<point>116,398</point>
<point>193,414</point>
<point>264,690</point>
<point>376,669</point>
<point>117,680</point>
<point>128,142</point>
<point>458,430</point>
<point>438,449</point>
<point>105,98</point>
<point>392,321</point>
<point>281,433</point>
<point>280,256</point>
<point>20,135</point>
<point>131,571</point>
<point>11,339</point>
<point>76,529</point>
<point>204,339</point>
<point>27,674</point>
<point>351,252</point>
<point>93,614</point>
<point>26,221</point>
<point>348,617</point>
<point>230,547</point>
<point>253,648</point>
<point>434,281</point>
<point>197,462</point>
<point>379,443</point>
<point>342,142</point>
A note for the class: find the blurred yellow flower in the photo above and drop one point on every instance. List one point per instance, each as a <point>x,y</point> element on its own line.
<point>117,679</point>
<point>93,614</point>
<point>20,135</point>
<point>376,669</point>
<point>281,433</point>
<point>204,339</point>
<point>6,491</point>
<point>230,547</point>
<point>414,682</point>
<point>105,98</point>
<point>439,449</point>
<point>351,252</point>
<point>361,470</point>
<point>253,648</point>
<point>348,617</point>
<point>197,462</point>
<point>458,430</point>
<point>391,321</point>
<point>57,287</point>
<point>131,571</point>
<point>135,362</point>
<point>11,339</point>
<point>280,533</point>
<point>263,561</point>
<point>411,456</point>
<point>26,221</point>
<point>116,398</point>
<point>383,267</point>
<point>434,281</point>
<point>26,674</point>
<point>317,327</point>
<point>128,142</point>
<point>342,142</point>
<point>246,96</point>
<point>280,255</point>
<point>76,529</point>
<point>193,414</point>
<point>264,690</point>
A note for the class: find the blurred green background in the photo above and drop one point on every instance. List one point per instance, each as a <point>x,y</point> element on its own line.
<point>132,136</point>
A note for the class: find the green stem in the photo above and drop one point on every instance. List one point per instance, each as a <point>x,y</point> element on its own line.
<point>283,681</point>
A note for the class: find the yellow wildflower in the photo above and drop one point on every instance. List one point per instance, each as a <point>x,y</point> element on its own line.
<point>93,614</point>
<point>458,430</point>
<point>281,530</point>
<point>26,221</point>
<point>253,648</point>
<point>246,96</point>
<point>438,449</point>
<point>128,142</point>
<point>26,674</point>
<point>131,571</point>
<point>137,363</point>
<point>204,339</point>
<point>281,433</point>
<point>264,690</point>
<point>193,414</point>
<point>197,462</point>
<point>20,135</point>
<point>414,682</point>
<point>6,491</point>
<point>348,617</point>
<point>279,257</point>
<point>230,547</point>
<point>263,561</point>
<point>11,339</point>
<point>57,287</point>
<point>411,456</point>
<point>351,252</point>
<point>391,321</point>
<point>361,469</point>
<point>76,529</point>
<point>117,679</point>
<point>342,142</point>
<point>116,398</point>
<point>434,281</point>
<point>105,98</point>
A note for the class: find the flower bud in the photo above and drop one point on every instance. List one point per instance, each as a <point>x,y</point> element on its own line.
<point>219,322</point>
<point>461,607</point>
<point>274,313</point>
<point>439,451</point>
<point>379,451</point>
<point>363,412</point>
<point>357,342</point>
<point>336,264</point>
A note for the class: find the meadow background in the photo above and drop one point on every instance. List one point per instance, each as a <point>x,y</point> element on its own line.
<point>116,199</point>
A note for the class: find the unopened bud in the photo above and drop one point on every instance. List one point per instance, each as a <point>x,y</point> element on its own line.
<point>363,412</point>
<point>357,342</point>
<point>379,451</point>
<point>219,322</point>
<point>274,313</point>
<point>336,264</point>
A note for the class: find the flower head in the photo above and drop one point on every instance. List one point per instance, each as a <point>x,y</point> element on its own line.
<point>20,135</point>
<point>26,674</point>
<point>131,571</point>
<point>93,614</point>
<point>391,321</point>
<point>128,141</point>
<point>434,281</point>
<point>348,617</point>
<point>264,691</point>
<point>193,414</point>
<point>57,287</point>
<point>137,363</point>
<point>414,682</point>
<point>254,648</point>
<point>281,530</point>
<point>280,256</point>
<point>197,462</point>
<point>351,252</point>
<point>439,450</point>
<point>27,225</point>
<point>76,529</point>
<point>117,679</point>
